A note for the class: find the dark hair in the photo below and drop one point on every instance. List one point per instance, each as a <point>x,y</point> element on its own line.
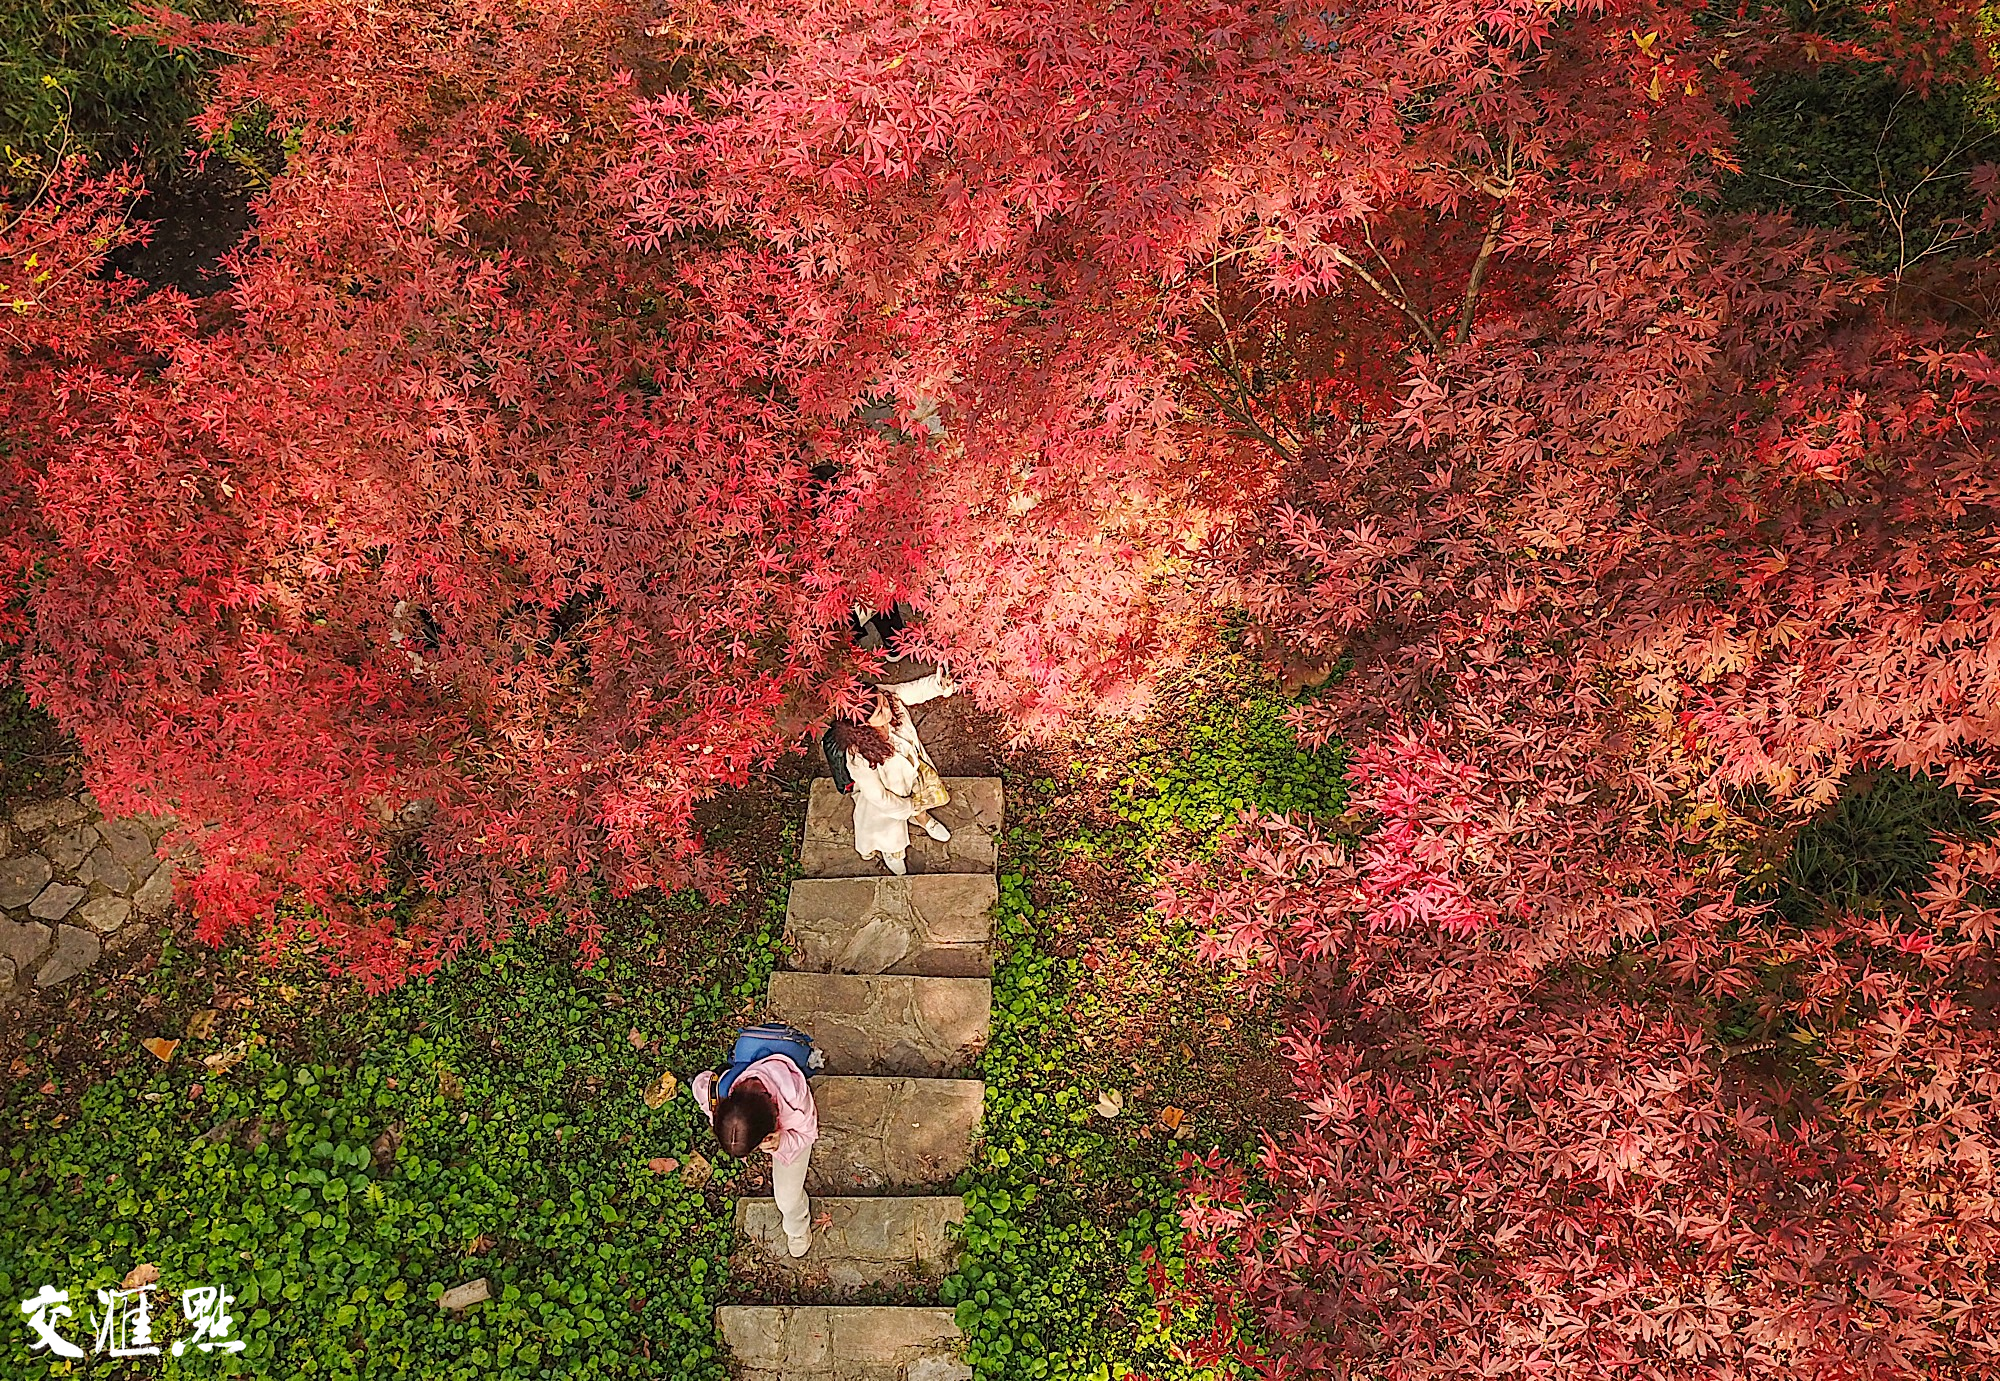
<point>863,740</point>
<point>745,1117</point>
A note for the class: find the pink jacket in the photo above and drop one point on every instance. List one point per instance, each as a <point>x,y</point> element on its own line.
<point>798,1118</point>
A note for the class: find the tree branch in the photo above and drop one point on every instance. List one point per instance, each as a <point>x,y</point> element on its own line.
<point>1245,417</point>
<point>1341,257</point>
<point>1492,242</point>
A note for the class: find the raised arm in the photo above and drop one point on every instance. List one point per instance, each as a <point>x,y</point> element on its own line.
<point>924,688</point>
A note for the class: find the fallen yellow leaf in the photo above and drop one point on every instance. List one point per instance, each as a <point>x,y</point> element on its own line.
<point>1171,1116</point>
<point>141,1275</point>
<point>202,1024</point>
<point>159,1049</point>
<point>661,1091</point>
<point>661,1165</point>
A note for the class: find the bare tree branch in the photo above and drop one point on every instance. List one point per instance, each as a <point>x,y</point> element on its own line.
<point>1239,410</point>
<point>1345,260</point>
<point>1492,242</point>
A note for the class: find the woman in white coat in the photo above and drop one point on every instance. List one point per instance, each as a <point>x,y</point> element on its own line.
<point>895,782</point>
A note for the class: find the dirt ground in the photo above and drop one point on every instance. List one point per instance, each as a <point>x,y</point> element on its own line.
<point>195,223</point>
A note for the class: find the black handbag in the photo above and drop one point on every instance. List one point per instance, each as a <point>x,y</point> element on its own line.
<point>836,763</point>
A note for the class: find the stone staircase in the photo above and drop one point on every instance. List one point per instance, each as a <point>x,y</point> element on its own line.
<point>892,976</point>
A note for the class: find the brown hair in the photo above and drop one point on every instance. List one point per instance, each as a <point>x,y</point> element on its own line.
<point>864,740</point>
<point>745,1117</point>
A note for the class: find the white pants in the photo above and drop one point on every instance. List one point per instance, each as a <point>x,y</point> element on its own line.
<point>788,1190</point>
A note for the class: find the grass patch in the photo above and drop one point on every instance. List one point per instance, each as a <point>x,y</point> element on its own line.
<point>1874,848</point>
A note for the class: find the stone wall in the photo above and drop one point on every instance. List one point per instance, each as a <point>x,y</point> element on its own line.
<point>72,885</point>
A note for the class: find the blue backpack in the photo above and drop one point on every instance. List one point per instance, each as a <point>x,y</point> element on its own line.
<point>753,1043</point>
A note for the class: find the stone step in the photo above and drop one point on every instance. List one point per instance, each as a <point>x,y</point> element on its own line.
<point>857,1243</point>
<point>892,1136</point>
<point>835,1342</point>
<point>973,816</point>
<point>939,925</point>
<point>886,1024</point>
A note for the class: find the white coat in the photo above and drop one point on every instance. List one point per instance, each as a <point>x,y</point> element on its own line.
<point>882,807</point>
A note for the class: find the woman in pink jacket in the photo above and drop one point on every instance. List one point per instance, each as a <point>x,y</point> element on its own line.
<point>770,1108</point>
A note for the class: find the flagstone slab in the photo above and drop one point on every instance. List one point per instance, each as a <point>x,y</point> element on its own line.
<point>836,1342</point>
<point>939,925</point>
<point>23,942</point>
<point>22,879</point>
<point>885,1023</point>
<point>973,815</point>
<point>892,1136</point>
<point>56,901</point>
<point>891,1243</point>
<point>76,949</point>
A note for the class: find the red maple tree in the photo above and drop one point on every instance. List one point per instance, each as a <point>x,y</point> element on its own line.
<point>1658,555</point>
<point>456,517</point>
<point>1668,524</point>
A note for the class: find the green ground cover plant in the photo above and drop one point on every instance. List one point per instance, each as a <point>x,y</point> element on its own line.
<point>73,83</point>
<point>361,1157</point>
<point>1875,847</point>
<point>1114,1052</point>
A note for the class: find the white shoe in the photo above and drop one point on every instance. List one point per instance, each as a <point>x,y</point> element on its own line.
<point>936,830</point>
<point>896,865</point>
<point>800,1245</point>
